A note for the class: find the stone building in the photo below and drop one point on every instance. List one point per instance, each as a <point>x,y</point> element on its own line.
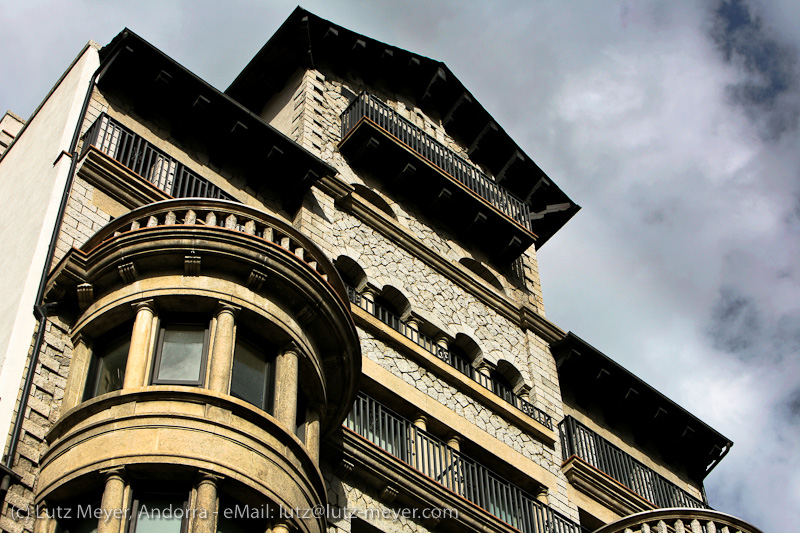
<point>309,303</point>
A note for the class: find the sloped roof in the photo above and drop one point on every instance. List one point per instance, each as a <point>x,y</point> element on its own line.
<point>305,40</point>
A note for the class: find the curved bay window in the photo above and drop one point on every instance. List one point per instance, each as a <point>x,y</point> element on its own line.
<point>253,375</point>
<point>107,369</point>
<point>181,354</point>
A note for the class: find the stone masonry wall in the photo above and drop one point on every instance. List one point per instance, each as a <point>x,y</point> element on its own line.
<point>317,127</point>
<point>41,413</point>
<point>433,296</point>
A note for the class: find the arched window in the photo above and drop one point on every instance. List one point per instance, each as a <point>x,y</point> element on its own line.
<point>463,352</point>
<point>482,272</point>
<point>351,272</point>
<point>374,198</point>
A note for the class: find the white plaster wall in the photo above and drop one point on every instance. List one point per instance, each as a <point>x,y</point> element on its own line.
<point>33,174</point>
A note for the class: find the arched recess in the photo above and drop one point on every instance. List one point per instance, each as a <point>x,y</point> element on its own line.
<point>374,198</point>
<point>465,352</point>
<point>509,377</point>
<point>482,272</point>
<point>394,301</point>
<point>351,272</point>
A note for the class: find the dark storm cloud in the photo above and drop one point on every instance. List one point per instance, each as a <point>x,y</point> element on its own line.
<point>771,67</point>
<point>735,322</point>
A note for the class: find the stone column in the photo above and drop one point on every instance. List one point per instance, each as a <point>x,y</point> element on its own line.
<point>412,329</point>
<point>420,450</point>
<point>286,375</point>
<point>78,370</point>
<point>313,414</point>
<point>219,379</point>
<point>205,507</point>
<point>112,502</point>
<point>44,522</point>
<point>281,527</point>
<point>140,350</point>
<point>454,441</point>
<point>442,348</point>
<point>541,495</point>
<point>369,295</point>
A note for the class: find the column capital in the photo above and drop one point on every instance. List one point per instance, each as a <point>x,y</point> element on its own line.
<point>117,472</point>
<point>204,476</point>
<point>227,307</point>
<point>292,347</point>
<point>82,338</point>
<point>145,304</point>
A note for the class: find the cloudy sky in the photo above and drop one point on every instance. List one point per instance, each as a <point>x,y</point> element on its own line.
<point>674,125</point>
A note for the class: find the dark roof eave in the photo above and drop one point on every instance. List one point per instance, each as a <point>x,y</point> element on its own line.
<point>298,44</point>
<point>191,85</point>
<point>562,350</point>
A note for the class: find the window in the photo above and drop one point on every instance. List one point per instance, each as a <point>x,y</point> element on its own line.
<point>107,370</point>
<point>300,417</point>
<point>502,387</point>
<point>181,355</point>
<point>159,513</point>
<point>252,379</point>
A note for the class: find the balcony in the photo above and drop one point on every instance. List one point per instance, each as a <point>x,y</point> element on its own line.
<point>668,520</point>
<point>454,470</point>
<point>147,161</point>
<point>590,449</point>
<point>377,139</point>
<point>457,362</point>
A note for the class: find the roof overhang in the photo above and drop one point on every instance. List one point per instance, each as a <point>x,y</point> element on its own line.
<point>655,420</point>
<point>305,40</point>
<point>203,118</point>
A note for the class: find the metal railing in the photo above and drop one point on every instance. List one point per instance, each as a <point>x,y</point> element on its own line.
<point>454,470</point>
<point>373,108</point>
<point>578,440</point>
<point>143,158</point>
<point>453,359</point>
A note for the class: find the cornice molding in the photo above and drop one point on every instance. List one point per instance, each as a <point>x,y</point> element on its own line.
<point>118,181</point>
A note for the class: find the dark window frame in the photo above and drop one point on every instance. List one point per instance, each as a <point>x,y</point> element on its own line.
<point>102,346</point>
<point>157,359</point>
<point>139,495</point>
<point>270,364</point>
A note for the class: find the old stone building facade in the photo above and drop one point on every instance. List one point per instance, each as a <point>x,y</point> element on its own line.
<point>309,303</point>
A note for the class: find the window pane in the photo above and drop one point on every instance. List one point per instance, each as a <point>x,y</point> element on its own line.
<point>159,514</point>
<point>181,353</point>
<point>111,367</point>
<point>250,375</point>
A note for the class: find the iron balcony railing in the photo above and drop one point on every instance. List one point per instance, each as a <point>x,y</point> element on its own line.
<point>450,357</point>
<point>578,440</point>
<point>454,470</point>
<point>143,158</point>
<point>371,107</point>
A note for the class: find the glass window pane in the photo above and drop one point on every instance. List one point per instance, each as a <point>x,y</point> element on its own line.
<point>181,353</point>
<point>250,375</point>
<point>159,514</point>
<point>111,367</point>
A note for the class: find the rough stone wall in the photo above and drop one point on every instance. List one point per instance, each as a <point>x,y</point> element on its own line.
<point>433,296</point>
<point>42,411</point>
<point>320,103</point>
<point>348,500</point>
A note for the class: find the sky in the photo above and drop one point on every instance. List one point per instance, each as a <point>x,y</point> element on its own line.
<point>673,124</point>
